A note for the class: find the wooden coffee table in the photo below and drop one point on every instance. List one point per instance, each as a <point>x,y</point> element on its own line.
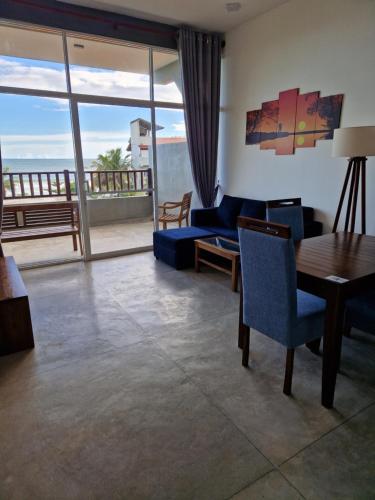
<point>224,248</point>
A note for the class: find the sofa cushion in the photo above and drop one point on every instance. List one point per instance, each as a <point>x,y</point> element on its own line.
<point>204,216</point>
<point>308,214</point>
<point>228,211</point>
<point>253,208</point>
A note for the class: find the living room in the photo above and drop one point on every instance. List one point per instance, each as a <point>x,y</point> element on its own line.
<point>188,269</point>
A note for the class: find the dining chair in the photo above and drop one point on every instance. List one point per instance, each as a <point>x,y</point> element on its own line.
<point>272,304</point>
<point>183,213</point>
<point>287,211</point>
<point>360,313</point>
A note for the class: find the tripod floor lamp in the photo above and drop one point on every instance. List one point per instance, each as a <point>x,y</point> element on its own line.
<point>354,143</point>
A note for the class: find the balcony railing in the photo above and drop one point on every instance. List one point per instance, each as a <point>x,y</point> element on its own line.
<point>64,183</point>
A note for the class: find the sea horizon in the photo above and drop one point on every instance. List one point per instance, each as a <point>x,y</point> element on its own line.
<point>16,165</point>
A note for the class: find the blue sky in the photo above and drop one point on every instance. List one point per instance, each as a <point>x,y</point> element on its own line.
<point>34,127</point>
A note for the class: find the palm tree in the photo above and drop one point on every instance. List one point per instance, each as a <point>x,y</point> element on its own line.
<point>111,160</point>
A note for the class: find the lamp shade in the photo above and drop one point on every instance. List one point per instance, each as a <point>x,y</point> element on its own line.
<point>354,141</point>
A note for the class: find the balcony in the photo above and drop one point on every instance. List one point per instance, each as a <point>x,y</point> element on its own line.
<point>119,207</point>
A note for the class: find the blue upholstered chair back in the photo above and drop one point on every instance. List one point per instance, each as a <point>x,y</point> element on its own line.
<point>269,281</point>
<point>289,212</point>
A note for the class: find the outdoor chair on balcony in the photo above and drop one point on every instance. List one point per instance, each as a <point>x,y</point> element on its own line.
<point>183,213</point>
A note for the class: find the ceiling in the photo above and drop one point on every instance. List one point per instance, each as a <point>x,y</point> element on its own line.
<point>38,45</point>
<point>208,15</point>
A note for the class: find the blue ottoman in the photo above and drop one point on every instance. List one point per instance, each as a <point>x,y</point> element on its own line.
<point>176,246</point>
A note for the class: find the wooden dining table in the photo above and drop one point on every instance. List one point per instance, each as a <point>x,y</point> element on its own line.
<point>335,267</point>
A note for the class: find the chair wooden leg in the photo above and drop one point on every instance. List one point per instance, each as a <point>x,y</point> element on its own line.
<point>245,346</point>
<point>164,225</point>
<point>75,247</point>
<point>80,242</point>
<point>288,372</point>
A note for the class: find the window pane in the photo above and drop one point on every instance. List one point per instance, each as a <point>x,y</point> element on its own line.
<point>38,168</point>
<point>167,77</point>
<point>31,59</point>
<point>110,70</point>
<point>174,170</point>
<point>117,150</point>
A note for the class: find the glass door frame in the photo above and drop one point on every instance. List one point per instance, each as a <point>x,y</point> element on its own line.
<point>74,100</point>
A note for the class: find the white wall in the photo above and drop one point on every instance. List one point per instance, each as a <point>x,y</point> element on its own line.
<point>174,173</point>
<point>326,45</point>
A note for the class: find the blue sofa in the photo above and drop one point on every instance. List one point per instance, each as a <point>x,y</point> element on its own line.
<point>222,220</point>
<point>176,248</point>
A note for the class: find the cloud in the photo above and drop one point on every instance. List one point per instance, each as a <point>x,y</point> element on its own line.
<point>84,80</point>
<point>16,74</point>
<point>97,136</point>
<point>180,126</point>
<point>61,145</point>
<point>90,81</point>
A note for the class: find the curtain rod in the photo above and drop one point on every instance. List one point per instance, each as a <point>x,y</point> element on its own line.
<point>93,17</point>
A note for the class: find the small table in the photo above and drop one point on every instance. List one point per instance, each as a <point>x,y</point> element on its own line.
<point>350,258</point>
<point>223,247</point>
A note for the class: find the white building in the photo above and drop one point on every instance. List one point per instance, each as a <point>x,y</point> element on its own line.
<point>140,142</point>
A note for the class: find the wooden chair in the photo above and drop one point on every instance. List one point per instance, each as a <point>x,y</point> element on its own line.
<point>184,206</point>
<point>287,211</point>
<point>271,302</point>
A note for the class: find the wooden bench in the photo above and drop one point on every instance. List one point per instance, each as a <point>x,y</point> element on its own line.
<point>30,221</point>
<point>16,331</point>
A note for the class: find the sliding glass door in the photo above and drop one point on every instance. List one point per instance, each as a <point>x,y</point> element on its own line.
<point>84,121</point>
<point>41,217</point>
<point>117,160</point>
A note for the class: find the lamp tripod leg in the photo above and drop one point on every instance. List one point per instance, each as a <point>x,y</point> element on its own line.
<point>342,196</point>
<point>363,194</point>
<point>350,198</point>
<point>355,199</point>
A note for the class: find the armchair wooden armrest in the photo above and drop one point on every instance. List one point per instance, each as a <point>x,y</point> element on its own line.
<point>170,204</point>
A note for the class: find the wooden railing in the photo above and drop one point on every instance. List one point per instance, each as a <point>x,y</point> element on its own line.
<point>64,183</point>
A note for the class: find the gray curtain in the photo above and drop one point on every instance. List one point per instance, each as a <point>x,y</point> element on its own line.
<point>200,56</point>
<point>1,201</point>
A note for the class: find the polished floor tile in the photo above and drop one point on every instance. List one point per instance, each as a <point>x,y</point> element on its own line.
<point>339,465</point>
<point>270,486</point>
<point>135,389</point>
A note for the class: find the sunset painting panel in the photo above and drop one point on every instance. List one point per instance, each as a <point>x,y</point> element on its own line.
<point>305,120</point>
<point>268,128</point>
<point>293,121</point>
<point>328,116</point>
<point>253,121</point>
<point>287,122</point>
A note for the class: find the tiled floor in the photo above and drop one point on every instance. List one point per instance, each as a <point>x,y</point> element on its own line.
<point>106,238</point>
<point>135,390</point>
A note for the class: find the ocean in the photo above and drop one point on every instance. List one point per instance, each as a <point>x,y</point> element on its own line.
<point>45,165</point>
